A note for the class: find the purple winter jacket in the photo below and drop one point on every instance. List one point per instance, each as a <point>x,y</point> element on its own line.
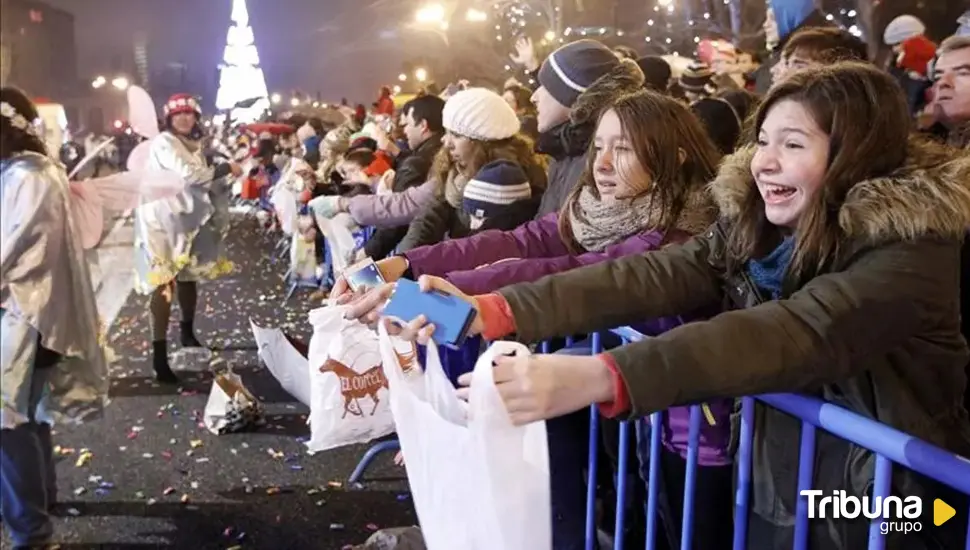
<point>526,253</point>
<point>534,250</point>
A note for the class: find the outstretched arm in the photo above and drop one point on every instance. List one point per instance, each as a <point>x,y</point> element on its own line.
<point>824,333</point>
<point>391,210</point>
<point>676,280</point>
<point>536,239</point>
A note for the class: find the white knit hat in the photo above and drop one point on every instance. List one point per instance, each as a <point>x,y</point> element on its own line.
<point>481,114</point>
<point>902,28</point>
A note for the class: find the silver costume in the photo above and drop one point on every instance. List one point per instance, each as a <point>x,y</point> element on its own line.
<point>182,237</point>
<point>46,294</point>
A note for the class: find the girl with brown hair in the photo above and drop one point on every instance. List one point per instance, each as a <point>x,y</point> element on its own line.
<point>645,187</point>
<point>839,248</point>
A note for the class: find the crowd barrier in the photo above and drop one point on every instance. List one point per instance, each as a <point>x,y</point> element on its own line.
<point>891,447</point>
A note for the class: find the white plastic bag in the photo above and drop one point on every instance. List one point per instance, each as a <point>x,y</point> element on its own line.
<point>303,258</point>
<point>340,238</point>
<point>285,362</point>
<point>348,390</point>
<point>231,407</point>
<point>479,483</point>
<point>284,200</point>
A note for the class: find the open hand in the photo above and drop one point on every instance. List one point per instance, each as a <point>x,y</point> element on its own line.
<point>525,54</point>
<point>369,308</point>
<point>539,387</point>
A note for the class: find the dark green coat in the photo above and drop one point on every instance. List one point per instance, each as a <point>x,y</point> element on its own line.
<point>878,333</point>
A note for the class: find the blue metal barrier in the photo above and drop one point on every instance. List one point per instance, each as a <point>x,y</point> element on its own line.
<point>889,445</point>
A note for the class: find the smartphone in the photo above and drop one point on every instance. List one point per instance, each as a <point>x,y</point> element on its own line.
<point>451,316</point>
<point>363,276</point>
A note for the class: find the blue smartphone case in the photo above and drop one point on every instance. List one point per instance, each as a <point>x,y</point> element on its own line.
<point>451,316</point>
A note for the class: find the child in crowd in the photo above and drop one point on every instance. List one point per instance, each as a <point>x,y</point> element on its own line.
<point>498,192</point>
<point>814,47</point>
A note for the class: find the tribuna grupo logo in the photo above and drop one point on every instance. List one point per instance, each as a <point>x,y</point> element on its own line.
<point>898,514</point>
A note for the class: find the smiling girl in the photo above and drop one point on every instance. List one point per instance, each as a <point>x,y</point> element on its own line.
<point>839,248</point>
<point>645,187</point>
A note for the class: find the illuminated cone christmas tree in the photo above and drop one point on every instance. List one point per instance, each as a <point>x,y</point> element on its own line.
<point>240,77</point>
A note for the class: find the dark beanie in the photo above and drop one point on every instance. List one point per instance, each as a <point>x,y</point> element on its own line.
<point>573,68</point>
<point>656,72</point>
<point>697,78</point>
<point>721,122</point>
<point>497,185</point>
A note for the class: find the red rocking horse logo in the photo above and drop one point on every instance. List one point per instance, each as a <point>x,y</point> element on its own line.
<point>354,386</point>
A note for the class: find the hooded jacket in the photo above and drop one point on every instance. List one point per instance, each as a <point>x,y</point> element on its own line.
<point>790,17</point>
<point>878,333</point>
<point>568,143</point>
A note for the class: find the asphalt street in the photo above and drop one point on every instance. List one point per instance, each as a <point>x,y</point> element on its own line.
<point>154,477</point>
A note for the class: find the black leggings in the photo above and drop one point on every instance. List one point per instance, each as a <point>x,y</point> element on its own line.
<point>713,504</point>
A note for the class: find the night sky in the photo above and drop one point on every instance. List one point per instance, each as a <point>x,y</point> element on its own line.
<point>337,47</point>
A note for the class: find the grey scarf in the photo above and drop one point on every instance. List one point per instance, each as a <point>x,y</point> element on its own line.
<point>597,224</point>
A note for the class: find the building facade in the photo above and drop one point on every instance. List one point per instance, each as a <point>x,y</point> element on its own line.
<point>37,49</point>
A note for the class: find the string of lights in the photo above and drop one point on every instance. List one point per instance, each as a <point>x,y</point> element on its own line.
<point>670,28</point>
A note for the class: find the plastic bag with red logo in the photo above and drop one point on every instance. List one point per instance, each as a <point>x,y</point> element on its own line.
<point>348,390</point>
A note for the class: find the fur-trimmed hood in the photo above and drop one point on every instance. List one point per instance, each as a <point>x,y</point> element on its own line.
<point>623,79</point>
<point>928,195</point>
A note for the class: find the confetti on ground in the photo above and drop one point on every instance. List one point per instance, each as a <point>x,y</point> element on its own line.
<point>84,458</point>
<point>150,438</point>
